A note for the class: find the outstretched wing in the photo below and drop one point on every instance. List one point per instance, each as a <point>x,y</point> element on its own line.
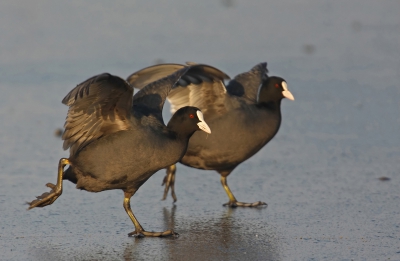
<point>200,86</point>
<point>246,85</point>
<point>149,101</point>
<point>97,107</point>
<point>151,74</point>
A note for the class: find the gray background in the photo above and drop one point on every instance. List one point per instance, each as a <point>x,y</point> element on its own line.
<point>319,175</point>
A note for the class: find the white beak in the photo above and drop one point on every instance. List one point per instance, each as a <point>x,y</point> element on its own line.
<point>202,124</point>
<point>286,93</point>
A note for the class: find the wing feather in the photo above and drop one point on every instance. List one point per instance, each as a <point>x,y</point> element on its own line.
<point>201,86</point>
<point>246,85</point>
<point>151,74</point>
<point>97,107</point>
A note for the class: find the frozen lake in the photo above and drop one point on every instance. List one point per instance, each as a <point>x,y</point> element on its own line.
<point>320,175</point>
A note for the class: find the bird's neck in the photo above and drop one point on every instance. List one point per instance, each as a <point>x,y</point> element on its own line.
<point>176,132</point>
<point>274,106</point>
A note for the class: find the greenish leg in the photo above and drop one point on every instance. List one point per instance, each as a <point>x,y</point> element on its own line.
<point>139,231</point>
<point>232,200</point>
<point>169,182</point>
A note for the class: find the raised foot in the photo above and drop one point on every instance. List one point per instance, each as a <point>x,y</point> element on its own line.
<point>46,198</point>
<point>243,204</point>
<point>143,233</point>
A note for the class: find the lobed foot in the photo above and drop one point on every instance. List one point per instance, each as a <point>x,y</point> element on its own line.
<point>46,198</point>
<point>143,233</point>
<point>235,204</point>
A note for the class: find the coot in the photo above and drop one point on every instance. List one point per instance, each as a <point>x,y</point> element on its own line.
<point>118,141</point>
<point>244,116</point>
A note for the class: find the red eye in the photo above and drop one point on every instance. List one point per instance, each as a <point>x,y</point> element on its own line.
<point>277,85</point>
<point>191,116</point>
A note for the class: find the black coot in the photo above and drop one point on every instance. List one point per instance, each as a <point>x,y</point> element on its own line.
<point>244,116</point>
<point>118,141</point>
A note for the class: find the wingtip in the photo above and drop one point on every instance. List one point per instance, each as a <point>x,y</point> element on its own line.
<point>83,87</point>
<point>263,66</point>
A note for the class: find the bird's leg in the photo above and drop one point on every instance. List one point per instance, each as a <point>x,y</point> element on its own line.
<point>169,182</point>
<point>139,231</point>
<point>48,198</point>
<point>232,200</point>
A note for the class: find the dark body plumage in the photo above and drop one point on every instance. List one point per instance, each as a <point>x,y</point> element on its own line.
<point>236,137</point>
<point>136,154</point>
<point>244,116</point>
<point>117,140</point>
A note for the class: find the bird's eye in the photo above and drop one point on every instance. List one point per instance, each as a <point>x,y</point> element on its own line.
<point>277,85</point>
<point>191,116</point>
